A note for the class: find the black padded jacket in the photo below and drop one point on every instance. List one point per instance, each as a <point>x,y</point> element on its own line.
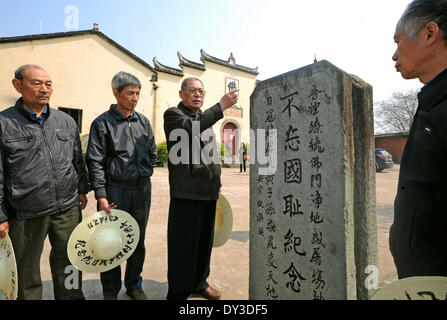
<point>121,151</point>
<point>42,170</point>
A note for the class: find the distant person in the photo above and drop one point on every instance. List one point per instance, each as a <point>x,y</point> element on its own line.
<point>418,236</point>
<point>121,154</point>
<point>230,148</point>
<point>243,157</point>
<point>194,190</point>
<point>43,183</point>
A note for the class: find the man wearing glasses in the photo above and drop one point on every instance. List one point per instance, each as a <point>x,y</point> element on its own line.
<point>194,183</point>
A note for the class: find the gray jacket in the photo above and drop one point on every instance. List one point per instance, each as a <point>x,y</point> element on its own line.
<point>42,170</point>
<point>121,151</point>
<point>199,181</point>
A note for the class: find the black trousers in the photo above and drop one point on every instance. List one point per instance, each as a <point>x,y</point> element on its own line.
<point>190,242</point>
<point>136,202</point>
<point>245,167</point>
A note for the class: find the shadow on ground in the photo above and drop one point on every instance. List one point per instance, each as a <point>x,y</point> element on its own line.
<point>93,290</point>
<point>242,236</point>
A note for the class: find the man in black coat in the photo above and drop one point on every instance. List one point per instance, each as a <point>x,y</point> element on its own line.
<point>194,180</point>
<point>43,184</point>
<point>121,154</point>
<point>418,236</point>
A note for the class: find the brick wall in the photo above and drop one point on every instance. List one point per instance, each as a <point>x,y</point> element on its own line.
<point>393,143</point>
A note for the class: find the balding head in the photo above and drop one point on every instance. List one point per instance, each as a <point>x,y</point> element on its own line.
<point>19,74</point>
<point>35,86</point>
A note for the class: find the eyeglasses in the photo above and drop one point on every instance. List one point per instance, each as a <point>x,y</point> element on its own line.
<point>192,91</point>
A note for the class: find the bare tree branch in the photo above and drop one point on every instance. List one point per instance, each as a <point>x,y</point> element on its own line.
<point>395,115</point>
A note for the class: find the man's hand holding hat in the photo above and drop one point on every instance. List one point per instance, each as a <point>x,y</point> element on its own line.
<point>103,204</point>
<point>4,229</point>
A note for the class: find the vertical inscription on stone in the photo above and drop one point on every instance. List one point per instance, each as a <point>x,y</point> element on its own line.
<point>298,240</point>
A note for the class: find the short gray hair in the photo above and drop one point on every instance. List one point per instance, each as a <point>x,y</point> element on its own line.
<point>420,12</point>
<point>19,73</point>
<point>123,79</point>
<point>187,80</point>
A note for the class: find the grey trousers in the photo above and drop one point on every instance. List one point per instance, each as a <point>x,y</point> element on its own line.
<point>28,237</point>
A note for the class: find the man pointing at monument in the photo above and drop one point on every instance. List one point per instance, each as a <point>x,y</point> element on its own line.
<point>194,189</point>
<point>418,236</point>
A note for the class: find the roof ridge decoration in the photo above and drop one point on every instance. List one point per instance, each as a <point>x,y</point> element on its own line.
<point>162,68</point>
<point>230,63</point>
<point>189,63</point>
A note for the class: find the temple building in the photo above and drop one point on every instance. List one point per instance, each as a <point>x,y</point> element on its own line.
<point>82,64</point>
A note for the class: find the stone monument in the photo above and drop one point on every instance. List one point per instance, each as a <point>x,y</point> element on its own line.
<point>312,186</point>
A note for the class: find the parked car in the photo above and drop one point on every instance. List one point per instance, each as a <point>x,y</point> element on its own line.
<point>384,160</point>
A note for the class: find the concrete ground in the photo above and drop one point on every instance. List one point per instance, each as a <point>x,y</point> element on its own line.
<point>229,263</point>
<point>386,188</point>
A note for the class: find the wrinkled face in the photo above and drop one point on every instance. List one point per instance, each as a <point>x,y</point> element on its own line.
<point>128,98</point>
<point>36,86</point>
<point>193,95</point>
<point>409,55</point>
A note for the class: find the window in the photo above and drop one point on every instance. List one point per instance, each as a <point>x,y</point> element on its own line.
<point>76,114</point>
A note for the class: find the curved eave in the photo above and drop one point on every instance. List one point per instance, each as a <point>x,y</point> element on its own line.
<point>162,68</point>
<point>206,57</point>
<point>188,63</point>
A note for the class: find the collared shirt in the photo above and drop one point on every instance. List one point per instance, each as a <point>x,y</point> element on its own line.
<point>43,116</point>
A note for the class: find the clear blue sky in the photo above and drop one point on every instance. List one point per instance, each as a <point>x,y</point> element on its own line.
<point>275,35</point>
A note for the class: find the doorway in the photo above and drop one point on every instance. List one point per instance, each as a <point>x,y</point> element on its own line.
<point>229,138</point>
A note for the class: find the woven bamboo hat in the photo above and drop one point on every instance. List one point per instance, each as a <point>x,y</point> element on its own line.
<point>101,242</point>
<point>414,288</point>
<point>8,269</point>
<point>223,225</point>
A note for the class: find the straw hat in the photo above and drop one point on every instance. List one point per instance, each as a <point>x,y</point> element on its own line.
<point>8,269</point>
<point>414,288</point>
<point>101,242</point>
<point>223,225</point>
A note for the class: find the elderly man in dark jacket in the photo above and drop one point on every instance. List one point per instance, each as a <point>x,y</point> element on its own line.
<point>418,236</point>
<point>194,180</point>
<point>43,183</point>
<point>121,154</point>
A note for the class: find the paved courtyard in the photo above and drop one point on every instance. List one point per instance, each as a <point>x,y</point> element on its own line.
<point>229,263</point>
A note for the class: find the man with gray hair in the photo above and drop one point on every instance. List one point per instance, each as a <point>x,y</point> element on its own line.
<point>418,236</point>
<point>121,154</point>
<point>43,184</point>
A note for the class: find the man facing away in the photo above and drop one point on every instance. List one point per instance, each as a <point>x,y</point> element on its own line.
<point>418,236</point>
<point>121,154</point>
<point>43,183</point>
<point>194,189</point>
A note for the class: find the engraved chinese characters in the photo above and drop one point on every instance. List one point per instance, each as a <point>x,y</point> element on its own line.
<point>301,227</point>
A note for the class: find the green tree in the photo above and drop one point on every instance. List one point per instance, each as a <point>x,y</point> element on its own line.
<point>162,152</point>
